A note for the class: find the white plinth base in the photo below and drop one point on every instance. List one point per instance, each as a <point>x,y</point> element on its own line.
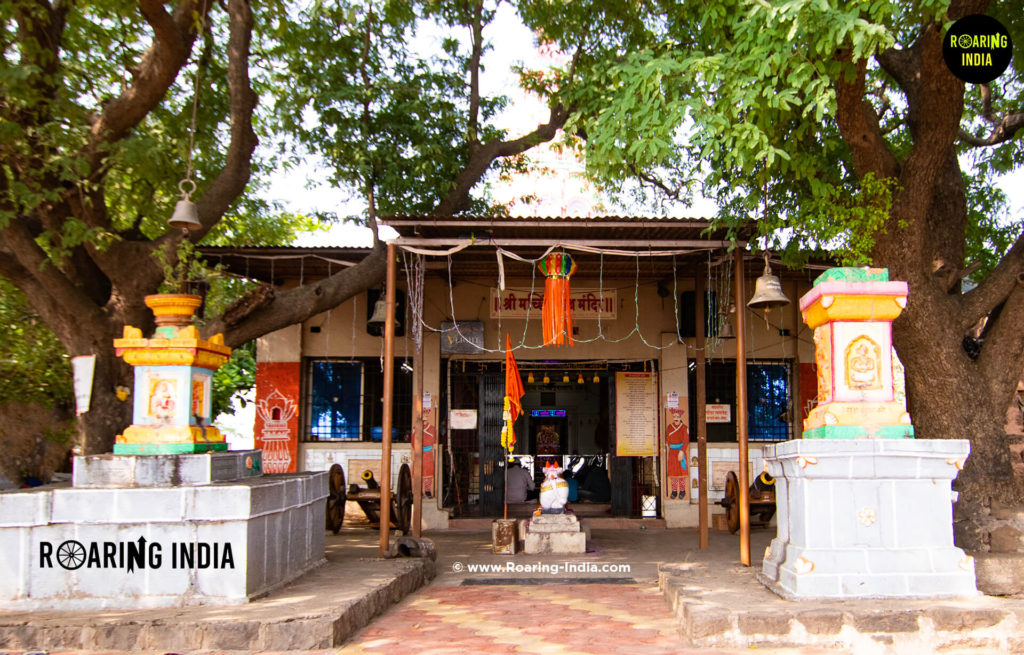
<point>133,547</point>
<point>554,533</point>
<point>866,518</point>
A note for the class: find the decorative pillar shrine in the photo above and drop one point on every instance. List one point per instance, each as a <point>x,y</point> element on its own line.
<point>860,382</point>
<point>193,525</point>
<point>864,509</point>
<point>173,382</point>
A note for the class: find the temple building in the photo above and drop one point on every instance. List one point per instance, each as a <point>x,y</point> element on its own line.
<point>656,320</point>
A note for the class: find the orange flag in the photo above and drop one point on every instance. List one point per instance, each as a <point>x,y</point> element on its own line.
<point>513,397</point>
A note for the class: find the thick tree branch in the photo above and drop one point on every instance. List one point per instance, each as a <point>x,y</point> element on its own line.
<point>859,125</point>
<point>472,133</point>
<point>370,183</point>
<point>57,296</point>
<point>173,36</point>
<point>981,300</point>
<point>1004,345</point>
<point>457,199</point>
<point>225,188</point>
<point>268,312</point>
<point>901,65</point>
<point>233,178</point>
<point>1003,130</point>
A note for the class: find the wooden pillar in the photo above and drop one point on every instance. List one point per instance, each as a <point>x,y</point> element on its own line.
<point>389,388</point>
<point>741,405</point>
<point>417,433</point>
<point>702,424</point>
<point>797,415</point>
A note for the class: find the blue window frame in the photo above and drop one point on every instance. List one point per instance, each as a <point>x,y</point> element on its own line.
<point>768,396</point>
<point>768,399</point>
<point>336,394</point>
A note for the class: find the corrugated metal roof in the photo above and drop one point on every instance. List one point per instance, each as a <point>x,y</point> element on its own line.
<point>285,262</point>
<point>279,263</point>
<point>560,227</point>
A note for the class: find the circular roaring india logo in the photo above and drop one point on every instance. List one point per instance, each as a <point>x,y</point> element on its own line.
<point>71,555</point>
<point>977,48</point>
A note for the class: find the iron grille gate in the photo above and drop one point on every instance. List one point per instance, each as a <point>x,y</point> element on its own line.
<point>492,481</point>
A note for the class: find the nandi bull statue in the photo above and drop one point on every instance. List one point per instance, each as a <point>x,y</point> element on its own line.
<point>554,491</point>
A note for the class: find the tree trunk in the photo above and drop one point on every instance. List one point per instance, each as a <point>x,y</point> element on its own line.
<point>950,395</point>
<point>107,416</point>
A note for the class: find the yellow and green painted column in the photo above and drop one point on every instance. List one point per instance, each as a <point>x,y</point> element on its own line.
<point>861,390</point>
<point>173,382</point>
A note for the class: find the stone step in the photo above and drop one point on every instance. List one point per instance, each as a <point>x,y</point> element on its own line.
<point>741,613</point>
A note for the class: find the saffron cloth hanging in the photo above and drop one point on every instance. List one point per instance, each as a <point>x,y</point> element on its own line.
<point>557,315</point>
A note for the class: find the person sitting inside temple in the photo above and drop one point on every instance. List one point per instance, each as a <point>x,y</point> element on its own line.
<point>595,487</point>
<point>520,484</point>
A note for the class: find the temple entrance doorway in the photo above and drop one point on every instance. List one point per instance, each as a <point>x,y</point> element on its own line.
<point>568,419</point>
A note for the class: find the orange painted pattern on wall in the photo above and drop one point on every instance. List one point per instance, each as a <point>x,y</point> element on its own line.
<point>277,415</point>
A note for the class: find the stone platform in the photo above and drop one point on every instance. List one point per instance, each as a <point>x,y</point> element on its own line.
<point>554,533</point>
<point>720,605</point>
<point>319,611</point>
<point>158,531</point>
<point>868,518</point>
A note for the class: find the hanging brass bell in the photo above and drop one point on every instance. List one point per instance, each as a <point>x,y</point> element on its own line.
<point>185,216</point>
<point>767,290</point>
<point>725,328</point>
<point>380,313</point>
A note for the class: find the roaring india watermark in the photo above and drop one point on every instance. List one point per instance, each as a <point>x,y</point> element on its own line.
<point>546,568</point>
<point>977,48</point>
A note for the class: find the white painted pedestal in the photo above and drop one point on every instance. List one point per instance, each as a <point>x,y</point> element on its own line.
<point>866,518</point>
<point>159,530</point>
<point>554,533</point>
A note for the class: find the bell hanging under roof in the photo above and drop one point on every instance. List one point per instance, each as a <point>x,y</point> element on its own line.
<point>380,313</point>
<point>767,290</point>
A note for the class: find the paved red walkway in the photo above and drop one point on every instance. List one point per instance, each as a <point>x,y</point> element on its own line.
<point>581,618</point>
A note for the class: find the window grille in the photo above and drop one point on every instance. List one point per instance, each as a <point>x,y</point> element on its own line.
<point>335,401</point>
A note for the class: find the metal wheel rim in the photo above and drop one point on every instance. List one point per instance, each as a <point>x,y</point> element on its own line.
<point>335,498</point>
<point>732,494</point>
<point>403,501</point>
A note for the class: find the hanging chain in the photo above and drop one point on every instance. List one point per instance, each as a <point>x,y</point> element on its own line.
<point>187,186</point>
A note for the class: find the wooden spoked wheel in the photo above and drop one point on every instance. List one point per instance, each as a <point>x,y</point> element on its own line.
<point>731,502</point>
<point>335,498</point>
<point>402,502</point>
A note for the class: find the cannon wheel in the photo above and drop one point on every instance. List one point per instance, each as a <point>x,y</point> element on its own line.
<point>731,502</point>
<point>335,498</point>
<point>402,501</point>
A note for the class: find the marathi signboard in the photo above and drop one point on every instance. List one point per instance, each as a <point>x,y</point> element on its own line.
<point>586,304</point>
<point>718,413</point>
<point>636,405</point>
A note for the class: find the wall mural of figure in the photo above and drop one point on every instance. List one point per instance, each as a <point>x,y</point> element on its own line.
<point>677,436</point>
<point>863,364</point>
<point>162,405</point>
